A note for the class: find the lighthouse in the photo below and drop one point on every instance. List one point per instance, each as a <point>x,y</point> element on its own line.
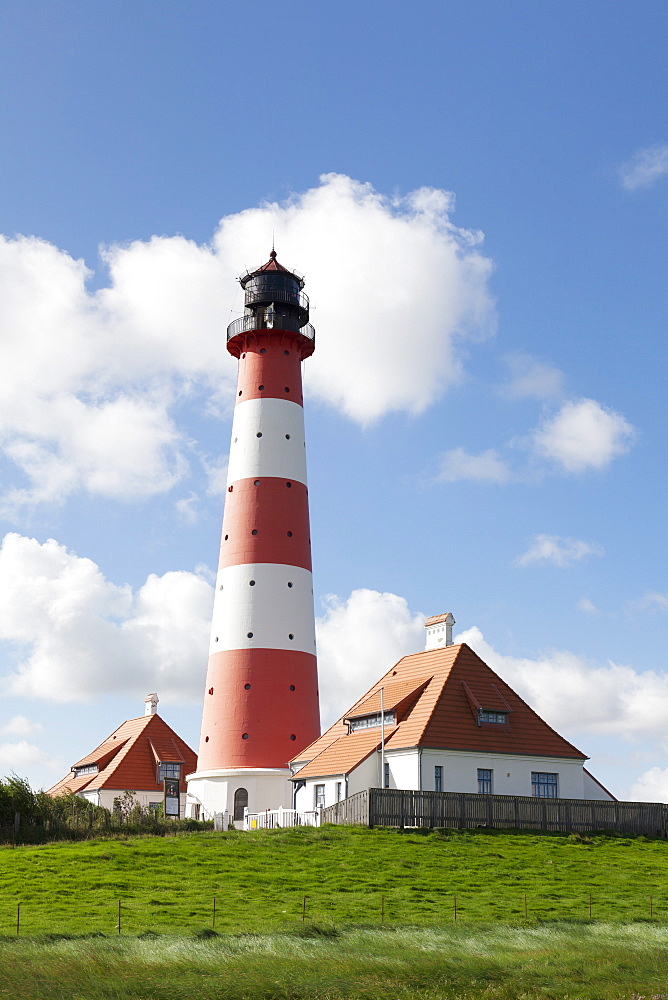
<point>261,693</point>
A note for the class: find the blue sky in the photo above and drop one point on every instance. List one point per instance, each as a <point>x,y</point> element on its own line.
<point>478,198</point>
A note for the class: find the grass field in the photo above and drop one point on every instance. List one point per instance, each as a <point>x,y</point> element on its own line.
<point>555,962</point>
<point>259,881</point>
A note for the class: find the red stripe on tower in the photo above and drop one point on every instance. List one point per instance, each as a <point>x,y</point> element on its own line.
<point>261,701</point>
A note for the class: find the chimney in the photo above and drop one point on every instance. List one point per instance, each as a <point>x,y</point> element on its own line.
<point>151,703</point>
<point>439,631</point>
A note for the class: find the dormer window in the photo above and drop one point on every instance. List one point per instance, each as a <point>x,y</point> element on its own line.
<point>370,721</point>
<point>86,769</point>
<point>500,718</point>
<point>168,770</point>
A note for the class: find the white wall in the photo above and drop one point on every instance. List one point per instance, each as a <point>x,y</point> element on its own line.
<point>511,774</point>
<point>214,791</point>
<point>593,790</point>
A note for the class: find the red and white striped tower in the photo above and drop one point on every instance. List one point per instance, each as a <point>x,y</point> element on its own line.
<point>261,699</point>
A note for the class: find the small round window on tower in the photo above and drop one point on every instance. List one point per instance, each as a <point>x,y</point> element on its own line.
<point>289,583</point>
<point>290,635</point>
<point>292,687</point>
<point>230,488</point>
<point>245,736</point>
<point>292,736</point>
<point>286,389</point>
<point>226,537</point>
<point>288,484</point>
<point>240,391</point>
<point>251,583</point>
<point>210,690</point>
<point>206,739</point>
<point>263,350</point>
<point>249,635</point>
<point>261,387</point>
<point>287,437</point>
<point>256,483</point>
<point>286,353</point>
<point>247,687</point>
<point>289,534</point>
<point>254,531</point>
<point>259,434</point>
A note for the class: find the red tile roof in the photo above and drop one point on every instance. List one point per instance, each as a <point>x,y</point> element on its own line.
<point>455,683</point>
<point>437,619</point>
<point>128,759</point>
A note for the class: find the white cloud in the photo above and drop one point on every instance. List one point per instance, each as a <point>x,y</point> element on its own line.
<point>186,508</point>
<point>77,635</point>
<point>645,167</point>
<point>557,551</point>
<point>582,435</point>
<point>653,601</point>
<point>92,379</point>
<point>532,379</point>
<point>589,608</point>
<point>651,786</point>
<point>16,757</point>
<point>358,640</point>
<point>458,464</point>
<point>19,725</point>
<point>577,696</point>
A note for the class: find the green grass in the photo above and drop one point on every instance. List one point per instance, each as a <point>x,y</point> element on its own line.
<point>556,962</point>
<point>259,880</point>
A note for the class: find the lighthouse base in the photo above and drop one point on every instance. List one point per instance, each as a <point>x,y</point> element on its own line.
<point>231,790</point>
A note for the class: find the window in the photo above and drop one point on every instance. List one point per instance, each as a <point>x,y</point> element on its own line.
<point>240,803</point>
<point>168,770</point>
<point>86,769</point>
<point>319,791</point>
<point>484,781</point>
<point>544,785</point>
<point>498,717</point>
<point>438,778</point>
<point>369,721</point>
<point>339,786</point>
<point>386,775</point>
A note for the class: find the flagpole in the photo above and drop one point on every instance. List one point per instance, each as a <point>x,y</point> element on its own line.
<point>382,737</point>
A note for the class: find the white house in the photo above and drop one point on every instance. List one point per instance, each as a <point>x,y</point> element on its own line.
<point>143,756</point>
<point>441,720</point>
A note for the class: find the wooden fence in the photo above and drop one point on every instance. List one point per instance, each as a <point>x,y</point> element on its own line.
<point>463,810</point>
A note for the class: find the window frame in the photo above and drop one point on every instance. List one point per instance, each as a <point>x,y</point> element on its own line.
<point>438,777</point>
<point>485,781</point>
<point>545,784</point>
<point>168,769</point>
<point>319,796</point>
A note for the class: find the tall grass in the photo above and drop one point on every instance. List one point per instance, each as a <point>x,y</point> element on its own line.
<point>559,962</point>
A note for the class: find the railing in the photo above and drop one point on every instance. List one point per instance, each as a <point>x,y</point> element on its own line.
<point>290,323</point>
<point>466,810</point>
<point>278,819</point>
